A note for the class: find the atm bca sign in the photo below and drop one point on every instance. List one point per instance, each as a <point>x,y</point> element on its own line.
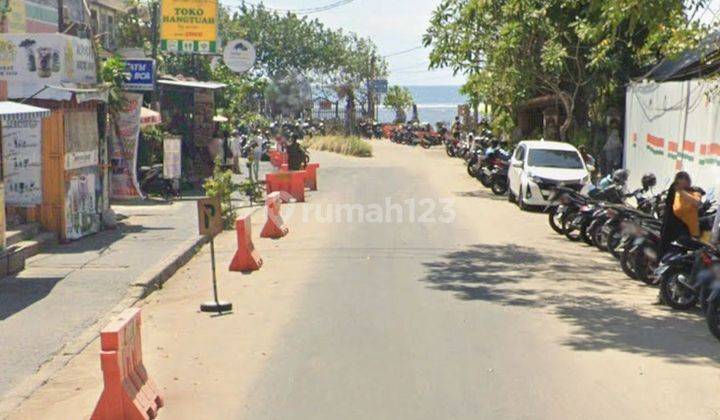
<point>140,74</point>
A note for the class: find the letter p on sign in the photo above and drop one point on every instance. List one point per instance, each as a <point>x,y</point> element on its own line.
<point>209,216</point>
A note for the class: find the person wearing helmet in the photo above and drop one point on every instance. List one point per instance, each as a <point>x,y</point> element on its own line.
<point>618,178</point>
<point>648,181</point>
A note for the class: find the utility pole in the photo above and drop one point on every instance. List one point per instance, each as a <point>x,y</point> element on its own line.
<point>61,15</point>
<point>154,39</point>
<point>371,89</point>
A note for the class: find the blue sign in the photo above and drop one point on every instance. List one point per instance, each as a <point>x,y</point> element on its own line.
<point>380,86</point>
<point>140,74</point>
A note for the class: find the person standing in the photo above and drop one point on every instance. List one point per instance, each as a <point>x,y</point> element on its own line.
<point>296,155</point>
<point>681,218</point>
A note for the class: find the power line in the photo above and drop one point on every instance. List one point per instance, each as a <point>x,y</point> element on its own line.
<point>304,11</point>
<point>403,51</point>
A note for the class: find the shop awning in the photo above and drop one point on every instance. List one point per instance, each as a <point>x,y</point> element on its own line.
<point>192,84</point>
<point>149,117</point>
<point>14,110</point>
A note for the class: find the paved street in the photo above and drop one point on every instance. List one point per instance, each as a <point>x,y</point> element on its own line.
<point>490,315</point>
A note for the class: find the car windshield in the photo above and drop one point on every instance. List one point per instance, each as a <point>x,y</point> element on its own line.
<point>567,159</point>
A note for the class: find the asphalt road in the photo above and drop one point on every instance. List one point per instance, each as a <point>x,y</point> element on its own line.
<point>478,312</point>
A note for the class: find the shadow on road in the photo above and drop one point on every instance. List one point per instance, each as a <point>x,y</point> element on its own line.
<point>585,294</point>
<point>485,193</point>
<point>18,293</point>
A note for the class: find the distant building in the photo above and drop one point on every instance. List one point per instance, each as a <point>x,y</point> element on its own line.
<point>104,17</point>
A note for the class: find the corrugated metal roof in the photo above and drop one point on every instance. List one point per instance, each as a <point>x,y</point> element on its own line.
<point>193,84</point>
<point>16,110</point>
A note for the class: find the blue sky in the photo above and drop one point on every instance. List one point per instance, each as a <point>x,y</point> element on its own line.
<point>394,25</point>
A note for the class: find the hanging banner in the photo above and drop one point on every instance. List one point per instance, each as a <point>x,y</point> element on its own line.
<point>124,148</point>
<point>22,156</point>
<point>30,62</point>
<point>189,26</point>
<point>172,157</point>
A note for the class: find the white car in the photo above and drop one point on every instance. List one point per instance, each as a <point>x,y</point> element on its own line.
<point>538,166</point>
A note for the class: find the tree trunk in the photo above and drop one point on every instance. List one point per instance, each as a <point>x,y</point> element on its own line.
<point>350,113</point>
<point>569,107</point>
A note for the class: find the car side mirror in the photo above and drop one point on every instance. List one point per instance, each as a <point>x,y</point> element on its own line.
<point>590,168</point>
<point>518,164</point>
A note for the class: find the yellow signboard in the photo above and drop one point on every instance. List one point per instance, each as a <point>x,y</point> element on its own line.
<point>189,26</point>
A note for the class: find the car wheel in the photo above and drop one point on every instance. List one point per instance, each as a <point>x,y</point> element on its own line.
<point>521,200</point>
<point>511,196</point>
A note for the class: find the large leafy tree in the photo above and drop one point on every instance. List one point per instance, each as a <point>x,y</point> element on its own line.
<point>398,98</point>
<point>580,51</point>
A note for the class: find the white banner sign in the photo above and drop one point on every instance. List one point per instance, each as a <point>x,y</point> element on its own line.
<point>29,62</point>
<point>172,158</point>
<point>673,126</point>
<point>22,157</point>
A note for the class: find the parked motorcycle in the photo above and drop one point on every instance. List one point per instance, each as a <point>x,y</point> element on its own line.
<point>152,182</point>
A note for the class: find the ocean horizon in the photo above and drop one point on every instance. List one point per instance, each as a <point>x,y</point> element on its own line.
<point>435,103</point>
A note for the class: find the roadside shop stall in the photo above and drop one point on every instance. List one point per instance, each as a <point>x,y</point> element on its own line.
<point>20,131</point>
<point>188,106</point>
<point>58,72</point>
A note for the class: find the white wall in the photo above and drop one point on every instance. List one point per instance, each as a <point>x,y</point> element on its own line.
<point>673,126</point>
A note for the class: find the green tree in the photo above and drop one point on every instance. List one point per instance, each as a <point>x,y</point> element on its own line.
<point>580,51</point>
<point>398,98</point>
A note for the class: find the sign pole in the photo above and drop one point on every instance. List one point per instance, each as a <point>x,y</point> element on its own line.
<point>211,224</point>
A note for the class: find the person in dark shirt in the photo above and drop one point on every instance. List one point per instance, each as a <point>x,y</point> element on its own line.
<point>296,155</point>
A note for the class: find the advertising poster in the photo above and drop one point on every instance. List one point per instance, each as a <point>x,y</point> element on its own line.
<point>22,157</point>
<point>29,62</point>
<point>124,148</point>
<point>189,26</point>
<point>81,216</point>
<point>81,139</point>
<point>172,157</point>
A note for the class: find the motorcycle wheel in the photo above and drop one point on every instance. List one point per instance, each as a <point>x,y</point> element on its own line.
<point>644,266</point>
<point>555,220</point>
<point>675,294</point>
<point>571,232</point>
<point>627,263</point>
<point>712,316</point>
<point>471,170</point>
<point>613,242</point>
<point>595,233</point>
<point>499,187</point>
<point>484,179</point>
<point>425,144</point>
<point>450,151</point>
<point>584,234</point>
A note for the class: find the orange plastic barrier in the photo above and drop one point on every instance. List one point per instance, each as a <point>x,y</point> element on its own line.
<point>275,226</point>
<point>311,176</point>
<point>246,257</point>
<point>129,393</point>
<point>279,181</point>
<point>277,158</point>
<point>292,182</point>
<point>297,185</point>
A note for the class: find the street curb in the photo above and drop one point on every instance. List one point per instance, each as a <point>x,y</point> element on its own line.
<point>149,281</point>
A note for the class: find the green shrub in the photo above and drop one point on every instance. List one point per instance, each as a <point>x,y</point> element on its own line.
<point>221,185</point>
